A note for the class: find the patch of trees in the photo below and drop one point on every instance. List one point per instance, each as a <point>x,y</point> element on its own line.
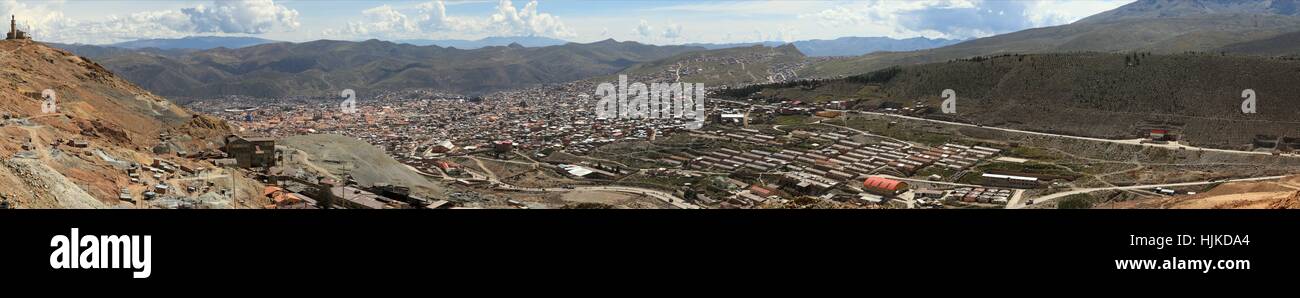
<point>1135,59</point>
<point>876,77</point>
<point>747,91</point>
<point>1079,201</point>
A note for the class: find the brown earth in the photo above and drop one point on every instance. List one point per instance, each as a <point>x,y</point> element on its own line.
<point>120,122</point>
<point>1282,194</point>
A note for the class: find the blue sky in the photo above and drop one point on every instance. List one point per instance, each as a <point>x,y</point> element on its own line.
<point>657,22</point>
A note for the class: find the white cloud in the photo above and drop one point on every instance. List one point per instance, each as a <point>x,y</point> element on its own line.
<point>957,18</point>
<point>431,19</point>
<point>241,16</point>
<point>786,34</point>
<point>509,20</point>
<point>655,22</point>
<point>744,8</point>
<point>382,21</point>
<point>47,22</point>
<point>35,18</point>
<point>884,18</point>
<point>645,30</point>
<point>1052,13</point>
<point>672,31</point>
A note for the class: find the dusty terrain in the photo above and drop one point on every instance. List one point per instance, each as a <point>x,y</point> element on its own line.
<point>119,124</point>
<point>338,156</point>
<point>1282,194</point>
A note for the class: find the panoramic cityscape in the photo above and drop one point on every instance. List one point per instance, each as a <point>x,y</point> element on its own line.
<point>566,144</point>
<point>817,105</point>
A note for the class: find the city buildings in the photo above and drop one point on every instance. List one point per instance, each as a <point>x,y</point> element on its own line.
<point>251,152</point>
<point>884,186</point>
<point>1011,181</point>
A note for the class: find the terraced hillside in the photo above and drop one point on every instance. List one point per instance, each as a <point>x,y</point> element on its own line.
<point>1090,94</point>
<point>727,67</point>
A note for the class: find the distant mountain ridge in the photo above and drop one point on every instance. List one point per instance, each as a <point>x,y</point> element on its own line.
<point>193,42</point>
<point>1104,95</point>
<point>323,67</point>
<point>171,47</point>
<point>1156,26</point>
<point>313,68</point>
<point>843,46</point>
<point>99,52</point>
<point>1184,8</point>
<point>719,46</point>
<point>524,41</point>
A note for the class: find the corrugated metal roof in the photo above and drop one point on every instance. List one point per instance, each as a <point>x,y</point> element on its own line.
<point>881,183</point>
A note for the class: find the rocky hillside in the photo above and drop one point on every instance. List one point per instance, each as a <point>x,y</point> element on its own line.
<point>1157,26</point>
<point>1149,9</point>
<point>76,156</point>
<point>338,157</point>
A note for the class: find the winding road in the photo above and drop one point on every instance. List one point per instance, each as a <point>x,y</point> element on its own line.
<point>662,196</point>
<point>1137,142</point>
<point>1018,201</point>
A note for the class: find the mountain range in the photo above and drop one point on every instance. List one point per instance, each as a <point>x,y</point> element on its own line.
<point>1149,9</point>
<point>1105,95</point>
<point>190,68</point>
<point>325,67</point>
<point>844,46</point>
<point>525,41</point>
<point>193,43</point>
<point>1157,26</point>
<point>1181,63</point>
<point>314,68</point>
